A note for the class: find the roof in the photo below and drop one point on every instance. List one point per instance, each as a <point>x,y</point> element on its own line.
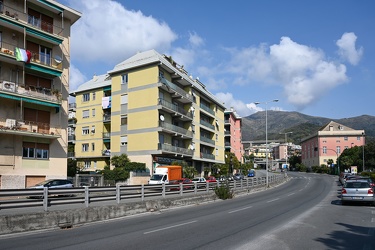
<point>153,57</point>
<point>95,83</point>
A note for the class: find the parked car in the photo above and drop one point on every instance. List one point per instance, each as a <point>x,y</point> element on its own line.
<point>199,179</point>
<point>358,177</point>
<point>344,176</point>
<point>238,177</point>
<point>251,173</point>
<point>357,191</point>
<point>54,183</point>
<point>184,181</point>
<point>211,179</point>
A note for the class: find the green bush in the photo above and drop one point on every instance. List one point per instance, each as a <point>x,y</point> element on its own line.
<point>224,192</point>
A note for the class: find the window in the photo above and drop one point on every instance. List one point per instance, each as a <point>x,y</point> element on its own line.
<point>86,97</point>
<point>85,130</point>
<point>338,149</point>
<point>358,138</point>
<point>93,96</point>
<point>45,55</point>
<point>345,138</point>
<point>124,121</point>
<point>85,147</point>
<point>35,150</point>
<point>324,150</point>
<point>87,164</point>
<point>93,112</point>
<point>93,146</point>
<point>86,113</point>
<point>124,99</point>
<point>93,129</point>
<point>124,140</point>
<point>124,79</point>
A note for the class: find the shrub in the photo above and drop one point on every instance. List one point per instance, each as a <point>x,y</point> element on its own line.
<point>224,192</point>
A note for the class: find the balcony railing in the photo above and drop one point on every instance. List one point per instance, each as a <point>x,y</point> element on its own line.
<point>207,156</point>
<point>31,21</point>
<point>177,89</point>
<point>43,94</point>
<point>106,135</point>
<point>27,127</point>
<point>208,125</point>
<point>175,108</point>
<point>205,139</point>
<point>106,117</point>
<point>106,152</point>
<point>71,137</point>
<point>71,154</point>
<point>73,105</point>
<point>174,149</point>
<point>207,109</point>
<point>176,129</point>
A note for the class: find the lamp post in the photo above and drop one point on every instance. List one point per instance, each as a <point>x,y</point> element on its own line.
<point>266,103</point>
<point>363,151</point>
<point>286,144</point>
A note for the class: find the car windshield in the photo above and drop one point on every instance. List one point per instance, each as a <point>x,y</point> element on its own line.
<point>195,179</point>
<point>42,183</point>
<point>156,177</point>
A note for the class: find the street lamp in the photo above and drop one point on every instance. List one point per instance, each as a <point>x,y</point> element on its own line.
<point>266,103</point>
<point>363,151</point>
<point>286,143</point>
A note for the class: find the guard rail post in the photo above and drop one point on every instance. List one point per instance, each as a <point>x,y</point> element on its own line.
<point>87,196</point>
<point>143,192</point>
<point>45,198</point>
<point>118,194</point>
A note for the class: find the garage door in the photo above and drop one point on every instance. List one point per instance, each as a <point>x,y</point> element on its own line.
<point>32,180</point>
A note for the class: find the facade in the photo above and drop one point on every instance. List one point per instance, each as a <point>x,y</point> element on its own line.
<point>233,134</point>
<point>34,73</point>
<point>329,142</point>
<point>149,108</point>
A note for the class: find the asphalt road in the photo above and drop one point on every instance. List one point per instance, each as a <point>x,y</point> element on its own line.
<point>304,213</point>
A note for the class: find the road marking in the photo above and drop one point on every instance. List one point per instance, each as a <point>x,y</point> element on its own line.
<point>291,194</point>
<point>273,200</point>
<point>166,228</point>
<point>244,208</point>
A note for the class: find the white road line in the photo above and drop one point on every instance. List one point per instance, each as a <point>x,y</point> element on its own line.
<point>165,228</point>
<point>291,194</point>
<point>244,208</point>
<point>273,200</point>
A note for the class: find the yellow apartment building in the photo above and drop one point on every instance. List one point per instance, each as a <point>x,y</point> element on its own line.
<point>34,72</point>
<point>149,108</point>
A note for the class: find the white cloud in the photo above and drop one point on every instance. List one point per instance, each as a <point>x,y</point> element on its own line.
<point>195,40</point>
<point>108,32</point>
<point>304,73</point>
<point>240,107</point>
<point>76,78</point>
<point>347,49</point>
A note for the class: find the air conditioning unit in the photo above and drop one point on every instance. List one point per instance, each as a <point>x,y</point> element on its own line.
<point>9,86</point>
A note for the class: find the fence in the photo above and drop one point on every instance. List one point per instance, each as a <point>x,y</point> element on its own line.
<point>16,198</point>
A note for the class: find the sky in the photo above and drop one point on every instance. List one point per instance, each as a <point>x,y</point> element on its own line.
<point>315,57</point>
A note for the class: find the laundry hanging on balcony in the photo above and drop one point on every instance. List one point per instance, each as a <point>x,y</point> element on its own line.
<point>22,55</point>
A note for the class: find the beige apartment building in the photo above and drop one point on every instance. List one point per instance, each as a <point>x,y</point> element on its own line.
<point>34,72</point>
<point>151,109</point>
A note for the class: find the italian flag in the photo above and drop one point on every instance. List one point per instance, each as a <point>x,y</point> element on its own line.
<point>22,55</point>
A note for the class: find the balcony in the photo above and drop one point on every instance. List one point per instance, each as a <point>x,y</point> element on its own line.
<point>168,127</point>
<point>175,110</point>
<point>106,152</point>
<point>72,122</point>
<point>71,154</point>
<point>173,149</point>
<point>106,135</point>
<point>207,109</point>
<point>29,128</point>
<point>29,22</point>
<point>106,117</point>
<point>43,59</point>
<point>207,156</point>
<point>176,91</point>
<point>45,96</point>
<point>207,140</point>
<point>207,124</point>
<point>71,138</point>
<point>72,106</point>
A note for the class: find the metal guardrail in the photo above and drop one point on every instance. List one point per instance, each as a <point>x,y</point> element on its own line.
<point>46,198</point>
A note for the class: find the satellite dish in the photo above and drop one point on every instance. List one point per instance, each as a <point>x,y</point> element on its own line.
<point>161,118</point>
<point>58,59</point>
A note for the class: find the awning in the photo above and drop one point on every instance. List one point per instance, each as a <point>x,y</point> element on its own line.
<point>18,98</point>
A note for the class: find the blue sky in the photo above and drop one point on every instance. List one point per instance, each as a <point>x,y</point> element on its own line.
<point>317,57</point>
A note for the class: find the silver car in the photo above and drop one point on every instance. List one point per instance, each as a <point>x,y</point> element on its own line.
<point>357,191</point>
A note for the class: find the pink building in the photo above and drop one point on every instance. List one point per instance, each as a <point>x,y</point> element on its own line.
<point>233,134</point>
<point>329,142</point>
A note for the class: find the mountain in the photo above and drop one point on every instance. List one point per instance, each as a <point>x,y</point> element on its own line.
<point>301,125</point>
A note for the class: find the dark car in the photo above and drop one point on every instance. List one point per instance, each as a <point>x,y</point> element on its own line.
<point>238,177</point>
<point>54,183</point>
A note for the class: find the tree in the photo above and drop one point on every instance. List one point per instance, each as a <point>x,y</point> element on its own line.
<point>72,167</point>
<point>232,162</point>
<point>120,160</point>
<point>122,168</point>
<point>294,160</point>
